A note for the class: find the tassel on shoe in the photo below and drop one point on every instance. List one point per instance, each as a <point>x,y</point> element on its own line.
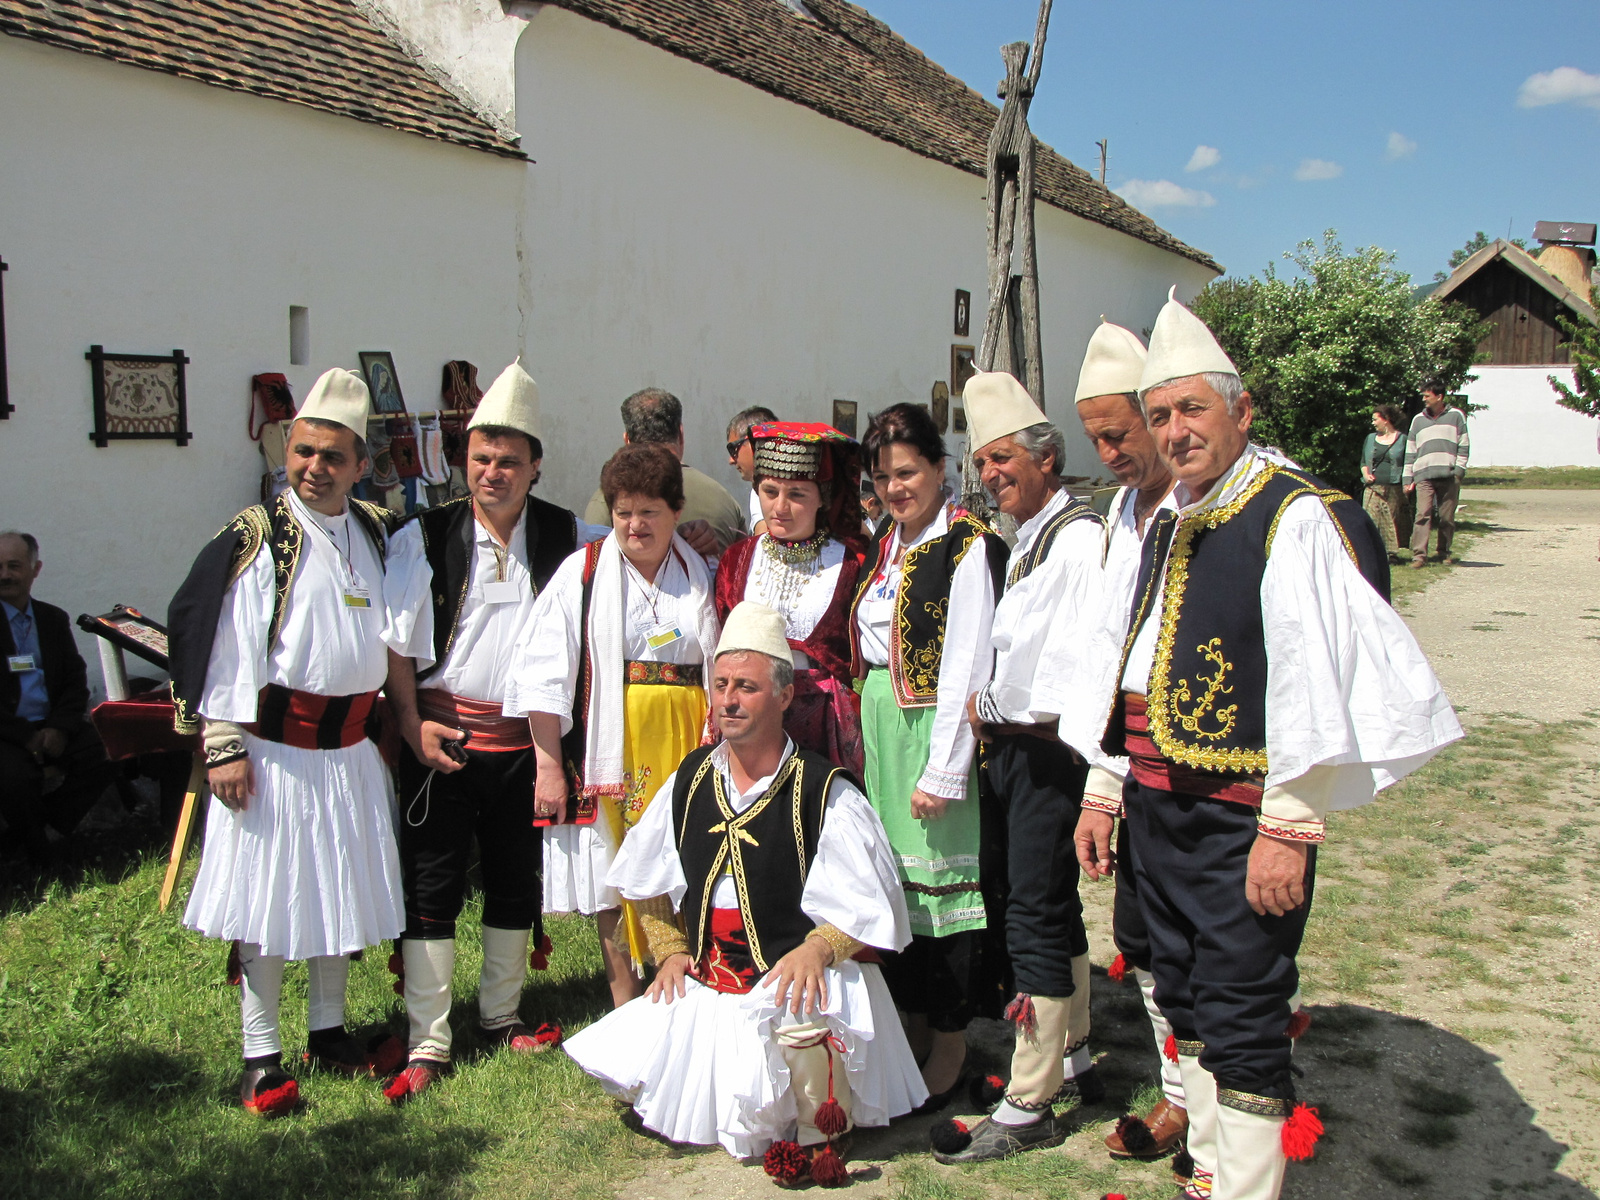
<point>1301,1133</point>
<point>785,1162</point>
<point>1135,1135</point>
<point>1118,970</point>
<point>986,1091</point>
<point>950,1137</point>
<point>827,1168</point>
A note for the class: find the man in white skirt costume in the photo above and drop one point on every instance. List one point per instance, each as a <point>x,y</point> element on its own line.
<point>280,640</point>
<point>764,1031</point>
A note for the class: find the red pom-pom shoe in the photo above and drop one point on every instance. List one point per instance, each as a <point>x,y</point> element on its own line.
<point>418,1077</point>
<point>268,1092</point>
<point>520,1038</point>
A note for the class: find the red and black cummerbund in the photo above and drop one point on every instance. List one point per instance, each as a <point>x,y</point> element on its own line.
<point>491,729</point>
<point>1147,764</point>
<point>311,722</point>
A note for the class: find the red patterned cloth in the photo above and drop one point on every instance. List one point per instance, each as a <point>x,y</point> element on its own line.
<point>490,728</point>
<point>1147,764</point>
<point>311,722</point>
<point>140,724</point>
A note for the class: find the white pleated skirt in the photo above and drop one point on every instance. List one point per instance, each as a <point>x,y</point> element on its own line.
<point>576,859</point>
<point>310,867</point>
<point>708,1070</point>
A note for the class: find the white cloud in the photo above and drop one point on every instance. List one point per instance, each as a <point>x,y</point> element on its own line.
<point>1317,168</point>
<point>1400,146</point>
<point>1564,85</point>
<point>1203,158</point>
<point>1147,194</point>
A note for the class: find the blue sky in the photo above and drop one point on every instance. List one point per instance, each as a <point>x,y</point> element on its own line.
<point>1246,126</point>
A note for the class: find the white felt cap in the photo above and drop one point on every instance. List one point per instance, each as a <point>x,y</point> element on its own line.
<point>1112,363</point>
<point>752,626</point>
<point>512,400</point>
<point>339,396</point>
<point>997,406</point>
<point>1180,346</point>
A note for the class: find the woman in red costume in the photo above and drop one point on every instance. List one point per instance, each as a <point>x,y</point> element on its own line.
<point>807,478</point>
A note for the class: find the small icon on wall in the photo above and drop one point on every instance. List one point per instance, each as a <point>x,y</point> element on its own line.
<point>963,312</point>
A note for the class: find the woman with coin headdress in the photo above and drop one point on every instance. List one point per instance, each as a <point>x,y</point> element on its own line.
<point>805,566</point>
<point>613,683</point>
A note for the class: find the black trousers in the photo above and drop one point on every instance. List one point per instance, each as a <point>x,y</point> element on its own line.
<point>27,808</point>
<point>490,798</point>
<point>1128,929</point>
<point>1038,785</point>
<point>1224,976</point>
<point>941,978</point>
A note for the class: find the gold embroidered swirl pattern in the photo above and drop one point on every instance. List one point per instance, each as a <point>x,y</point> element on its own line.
<point>1225,718</point>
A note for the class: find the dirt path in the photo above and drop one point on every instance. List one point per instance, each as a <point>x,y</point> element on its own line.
<point>1516,629</point>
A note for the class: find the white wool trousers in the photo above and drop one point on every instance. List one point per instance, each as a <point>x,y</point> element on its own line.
<point>262,985</point>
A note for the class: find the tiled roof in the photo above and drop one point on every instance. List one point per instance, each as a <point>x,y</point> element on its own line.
<point>851,67</point>
<point>321,53</point>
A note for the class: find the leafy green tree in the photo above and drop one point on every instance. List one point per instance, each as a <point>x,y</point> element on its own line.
<point>1584,349</point>
<point>1319,349</point>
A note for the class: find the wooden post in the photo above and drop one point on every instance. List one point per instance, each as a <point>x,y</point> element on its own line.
<point>185,831</point>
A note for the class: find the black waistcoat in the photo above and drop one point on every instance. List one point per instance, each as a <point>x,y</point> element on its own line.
<point>1207,698</point>
<point>922,607</point>
<point>194,611</point>
<point>768,849</point>
<point>448,535</point>
<point>1075,510</point>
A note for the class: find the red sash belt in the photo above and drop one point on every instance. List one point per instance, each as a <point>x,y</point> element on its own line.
<point>1147,764</point>
<point>490,728</point>
<point>311,722</point>
<point>727,965</point>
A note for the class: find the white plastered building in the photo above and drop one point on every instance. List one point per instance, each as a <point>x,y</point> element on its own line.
<point>742,201</point>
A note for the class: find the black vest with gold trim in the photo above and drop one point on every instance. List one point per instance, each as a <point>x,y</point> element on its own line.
<point>768,849</point>
<point>196,607</point>
<point>1028,562</point>
<point>922,605</point>
<point>449,533</point>
<point>1207,695</point>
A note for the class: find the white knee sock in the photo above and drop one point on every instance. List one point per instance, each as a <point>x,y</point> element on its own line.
<point>505,968</point>
<point>1078,1059</point>
<point>1200,1091</point>
<point>1250,1156</point>
<point>258,1000</point>
<point>329,974</point>
<point>1171,1077</point>
<point>430,964</point>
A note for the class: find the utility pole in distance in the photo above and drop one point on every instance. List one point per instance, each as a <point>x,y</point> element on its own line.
<point>1102,144</point>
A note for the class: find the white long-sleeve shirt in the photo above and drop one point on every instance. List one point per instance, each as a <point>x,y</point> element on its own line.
<point>854,880</point>
<point>325,645</point>
<point>1352,704</point>
<point>965,662</point>
<point>1063,587</point>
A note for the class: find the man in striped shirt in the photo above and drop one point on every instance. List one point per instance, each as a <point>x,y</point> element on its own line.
<point>1436,461</point>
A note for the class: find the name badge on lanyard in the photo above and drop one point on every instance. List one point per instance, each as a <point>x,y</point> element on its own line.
<point>357,597</point>
<point>663,635</point>
<point>17,663</point>
<point>501,591</point>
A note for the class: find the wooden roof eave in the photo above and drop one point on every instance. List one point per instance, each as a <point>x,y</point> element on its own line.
<point>1524,263</point>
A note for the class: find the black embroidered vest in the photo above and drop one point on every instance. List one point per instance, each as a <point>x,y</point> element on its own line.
<point>1207,697</point>
<point>1075,510</point>
<point>922,606</point>
<point>197,606</point>
<point>448,537</point>
<point>768,849</point>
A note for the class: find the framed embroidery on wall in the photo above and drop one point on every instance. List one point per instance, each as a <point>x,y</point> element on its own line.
<point>138,397</point>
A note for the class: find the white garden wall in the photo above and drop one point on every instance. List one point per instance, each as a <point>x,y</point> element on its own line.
<point>1523,425</point>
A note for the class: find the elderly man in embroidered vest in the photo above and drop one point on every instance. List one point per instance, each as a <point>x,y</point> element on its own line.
<point>1262,681</point>
<point>485,559</point>
<point>1081,653</point>
<point>279,646</point>
<point>1037,781</point>
<point>768,1028</point>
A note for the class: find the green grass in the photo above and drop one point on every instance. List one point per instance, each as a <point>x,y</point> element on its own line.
<point>1404,581</point>
<point>119,1073</point>
<point>1532,477</point>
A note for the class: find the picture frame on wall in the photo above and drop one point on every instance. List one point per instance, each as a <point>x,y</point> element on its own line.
<point>383,381</point>
<point>844,417</point>
<point>963,366</point>
<point>939,405</point>
<point>6,408</point>
<point>138,397</point>
<point>963,313</point>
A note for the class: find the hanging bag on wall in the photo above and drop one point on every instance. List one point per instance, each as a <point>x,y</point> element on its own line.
<point>403,448</point>
<point>270,400</point>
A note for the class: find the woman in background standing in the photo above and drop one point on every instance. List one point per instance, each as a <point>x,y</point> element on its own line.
<point>1383,461</point>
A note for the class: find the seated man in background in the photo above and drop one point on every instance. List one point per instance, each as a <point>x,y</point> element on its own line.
<point>52,765</point>
<point>764,1030</point>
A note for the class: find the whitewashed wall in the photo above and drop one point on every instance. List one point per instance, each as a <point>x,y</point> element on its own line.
<point>687,231</point>
<point>1523,425</point>
<point>147,213</point>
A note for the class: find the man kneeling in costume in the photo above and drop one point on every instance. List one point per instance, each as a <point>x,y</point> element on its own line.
<point>768,1028</point>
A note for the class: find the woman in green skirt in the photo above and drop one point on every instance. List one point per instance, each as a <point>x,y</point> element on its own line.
<point>932,567</point>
